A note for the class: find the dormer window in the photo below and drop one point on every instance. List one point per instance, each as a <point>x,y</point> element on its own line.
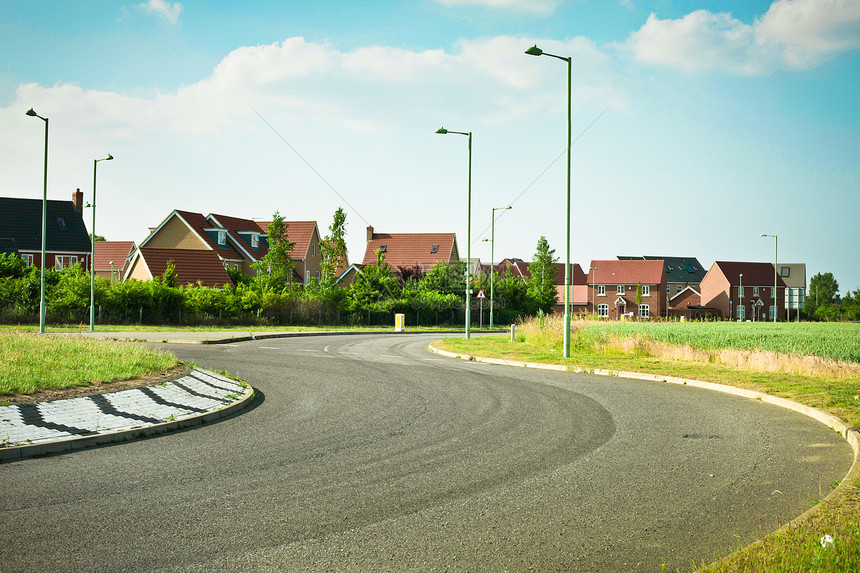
<point>61,222</point>
<point>382,248</point>
<point>434,249</point>
<point>222,238</point>
<point>255,241</point>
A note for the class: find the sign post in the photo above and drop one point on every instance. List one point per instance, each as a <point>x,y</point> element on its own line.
<point>481,296</point>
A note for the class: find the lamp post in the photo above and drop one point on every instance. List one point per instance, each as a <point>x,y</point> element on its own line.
<point>741,294</point>
<point>93,248</point>
<point>32,113</point>
<point>593,279</point>
<point>443,131</point>
<point>775,252</point>
<point>535,51</point>
<point>492,258</point>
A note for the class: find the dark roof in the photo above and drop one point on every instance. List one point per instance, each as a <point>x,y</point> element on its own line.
<point>8,246</point>
<point>21,220</point>
<point>678,269</point>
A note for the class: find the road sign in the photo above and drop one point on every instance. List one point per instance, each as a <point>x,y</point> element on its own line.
<point>481,294</point>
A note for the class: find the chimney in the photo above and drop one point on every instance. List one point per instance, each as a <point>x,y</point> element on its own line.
<point>78,200</point>
<point>369,233</point>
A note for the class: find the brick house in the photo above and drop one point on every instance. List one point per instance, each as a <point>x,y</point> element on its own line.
<point>612,286</point>
<point>744,291</point>
<point>413,251</point>
<point>67,241</point>
<point>112,259</point>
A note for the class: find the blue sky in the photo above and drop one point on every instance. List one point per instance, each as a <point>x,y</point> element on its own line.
<point>699,125</point>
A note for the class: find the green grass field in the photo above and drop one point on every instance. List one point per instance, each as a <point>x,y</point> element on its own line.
<point>33,363</point>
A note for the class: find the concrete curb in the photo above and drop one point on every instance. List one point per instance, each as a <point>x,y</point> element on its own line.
<point>68,444</point>
<point>851,435</point>
<point>161,338</point>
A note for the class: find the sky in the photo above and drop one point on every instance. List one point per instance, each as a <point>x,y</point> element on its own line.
<point>697,125</point>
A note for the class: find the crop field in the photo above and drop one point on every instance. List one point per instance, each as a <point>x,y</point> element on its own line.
<point>835,341</point>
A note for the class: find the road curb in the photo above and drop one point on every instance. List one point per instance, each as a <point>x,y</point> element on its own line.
<point>851,435</point>
<point>68,444</point>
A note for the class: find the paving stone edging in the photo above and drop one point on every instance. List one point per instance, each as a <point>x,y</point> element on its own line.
<point>143,430</point>
<point>851,435</point>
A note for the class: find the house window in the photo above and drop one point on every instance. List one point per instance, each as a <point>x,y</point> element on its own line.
<point>741,312</point>
<point>755,291</point>
<point>619,289</point>
<point>61,222</point>
<point>382,248</point>
<point>646,290</point>
<point>680,288</point>
<point>771,311</point>
<point>434,249</point>
<point>307,277</point>
<point>255,241</point>
<point>644,311</point>
<point>222,238</point>
<point>313,249</point>
<point>668,289</point>
<point>772,293</point>
<point>601,290</point>
<point>28,260</point>
<point>785,271</point>
<point>63,261</point>
<point>603,310</point>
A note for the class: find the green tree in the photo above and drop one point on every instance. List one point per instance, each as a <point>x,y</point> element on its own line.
<point>333,249</point>
<point>275,268</point>
<point>98,238</point>
<point>375,286</point>
<point>823,291</point>
<point>543,270</point>
<point>169,278</point>
<point>12,265</point>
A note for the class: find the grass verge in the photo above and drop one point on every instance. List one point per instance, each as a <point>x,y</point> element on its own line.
<point>797,547</point>
<point>35,363</point>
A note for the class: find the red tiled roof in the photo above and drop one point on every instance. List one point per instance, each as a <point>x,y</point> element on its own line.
<point>616,272</point>
<point>238,228</point>
<point>755,274</point>
<point>192,265</point>
<point>116,251</point>
<point>410,249</point>
<point>299,232</point>
<point>521,269</point>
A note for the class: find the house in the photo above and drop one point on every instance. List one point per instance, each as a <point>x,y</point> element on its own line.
<point>681,272</point>
<point>112,259</point>
<point>306,252</point>
<point>613,286</point>
<point>578,299</point>
<point>408,250</point>
<point>744,290</point>
<point>67,241</point>
<point>687,305</point>
<point>236,243</point>
<point>520,268</point>
<point>794,277</point>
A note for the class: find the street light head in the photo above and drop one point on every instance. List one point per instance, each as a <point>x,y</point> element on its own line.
<point>534,51</point>
<point>109,157</point>
<point>442,131</point>
<point>31,113</point>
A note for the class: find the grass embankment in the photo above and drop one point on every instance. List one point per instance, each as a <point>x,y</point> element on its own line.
<point>813,364</point>
<point>35,363</point>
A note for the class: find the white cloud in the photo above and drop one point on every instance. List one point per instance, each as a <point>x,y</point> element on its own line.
<point>543,7</point>
<point>793,34</point>
<point>165,9</point>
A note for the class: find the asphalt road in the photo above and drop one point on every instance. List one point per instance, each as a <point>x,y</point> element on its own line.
<point>369,453</point>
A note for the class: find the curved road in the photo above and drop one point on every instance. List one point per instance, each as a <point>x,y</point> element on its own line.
<point>370,453</point>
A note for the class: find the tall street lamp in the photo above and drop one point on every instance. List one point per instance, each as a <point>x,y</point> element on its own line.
<point>535,51</point>
<point>93,248</point>
<point>493,259</point>
<point>741,295</point>
<point>775,252</point>
<point>443,131</point>
<point>32,113</point>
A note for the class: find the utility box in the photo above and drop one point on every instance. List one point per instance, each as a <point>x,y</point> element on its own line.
<point>399,323</point>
